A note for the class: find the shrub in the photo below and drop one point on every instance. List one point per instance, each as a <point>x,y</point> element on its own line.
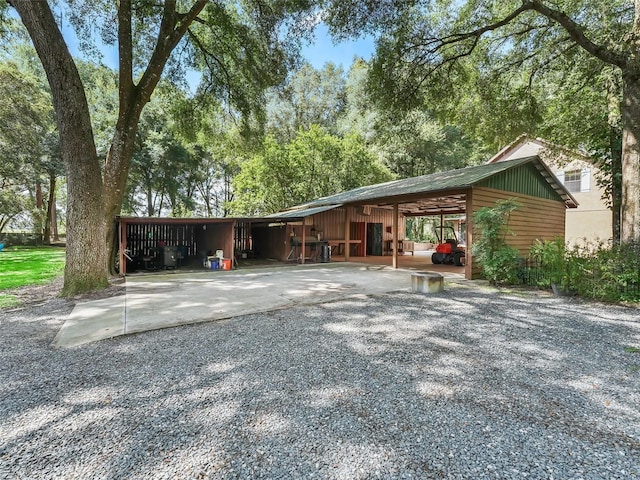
<point>551,256</point>
<point>499,261</point>
<point>594,270</point>
<point>609,273</point>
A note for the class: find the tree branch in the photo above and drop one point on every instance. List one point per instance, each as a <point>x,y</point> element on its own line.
<point>125,48</point>
<point>207,55</point>
<point>576,32</point>
<point>172,28</point>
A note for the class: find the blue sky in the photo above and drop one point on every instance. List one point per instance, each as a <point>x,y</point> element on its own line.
<point>323,50</point>
<point>319,52</point>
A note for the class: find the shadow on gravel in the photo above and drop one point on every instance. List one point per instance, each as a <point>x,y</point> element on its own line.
<point>466,384</point>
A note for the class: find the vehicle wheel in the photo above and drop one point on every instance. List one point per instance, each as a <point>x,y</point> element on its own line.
<point>458,259</point>
<point>436,258</point>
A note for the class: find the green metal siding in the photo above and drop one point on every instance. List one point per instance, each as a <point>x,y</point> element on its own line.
<point>525,180</point>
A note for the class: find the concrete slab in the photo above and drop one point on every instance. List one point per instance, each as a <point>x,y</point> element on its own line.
<point>93,321</point>
<point>166,300</point>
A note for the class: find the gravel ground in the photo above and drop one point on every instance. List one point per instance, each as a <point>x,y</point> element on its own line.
<point>472,383</point>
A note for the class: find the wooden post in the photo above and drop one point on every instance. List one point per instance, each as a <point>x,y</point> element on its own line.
<point>441,227</point>
<point>304,238</point>
<point>395,235</point>
<point>347,233</point>
<point>234,225</point>
<point>122,235</point>
<point>468,265</point>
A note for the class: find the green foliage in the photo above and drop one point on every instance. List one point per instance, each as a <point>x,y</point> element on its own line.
<point>592,270</point>
<point>310,97</point>
<point>101,88</point>
<point>415,144</point>
<point>7,301</point>
<point>20,266</point>
<point>421,229</point>
<point>314,164</point>
<point>28,140</point>
<point>609,273</point>
<point>552,258</point>
<point>499,261</point>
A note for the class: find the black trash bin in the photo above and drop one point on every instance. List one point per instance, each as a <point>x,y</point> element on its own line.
<point>325,253</point>
<point>169,257</point>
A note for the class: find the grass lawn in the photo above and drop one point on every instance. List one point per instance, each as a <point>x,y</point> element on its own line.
<point>20,266</point>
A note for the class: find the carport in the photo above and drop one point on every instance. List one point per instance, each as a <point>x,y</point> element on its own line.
<point>193,238</point>
<point>464,191</point>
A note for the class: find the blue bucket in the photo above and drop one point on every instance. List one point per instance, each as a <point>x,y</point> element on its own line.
<point>1,246</point>
<point>215,263</point>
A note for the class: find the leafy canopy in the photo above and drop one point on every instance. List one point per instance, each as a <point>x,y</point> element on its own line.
<point>314,164</point>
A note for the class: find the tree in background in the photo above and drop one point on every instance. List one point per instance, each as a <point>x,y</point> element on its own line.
<point>424,45</point>
<point>216,140</point>
<point>309,97</point>
<point>314,164</point>
<point>160,177</point>
<point>28,148</point>
<point>415,144</point>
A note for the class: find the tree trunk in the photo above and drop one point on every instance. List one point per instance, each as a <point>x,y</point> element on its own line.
<point>116,171</point>
<point>50,209</point>
<point>614,120</point>
<point>54,219</point>
<point>616,186</point>
<point>38,194</point>
<point>630,204</point>
<point>41,227</point>
<point>86,261</point>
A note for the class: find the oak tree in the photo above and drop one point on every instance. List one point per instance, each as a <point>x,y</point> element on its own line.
<point>239,45</point>
<point>422,45</point>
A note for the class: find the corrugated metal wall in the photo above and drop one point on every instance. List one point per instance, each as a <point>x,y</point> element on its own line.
<point>525,180</point>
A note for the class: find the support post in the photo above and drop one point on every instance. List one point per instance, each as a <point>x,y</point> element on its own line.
<point>347,233</point>
<point>395,235</point>
<point>468,265</point>
<point>234,231</point>
<point>304,239</point>
<point>122,236</point>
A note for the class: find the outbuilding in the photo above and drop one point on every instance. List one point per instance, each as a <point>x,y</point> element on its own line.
<point>366,221</point>
<point>359,220</point>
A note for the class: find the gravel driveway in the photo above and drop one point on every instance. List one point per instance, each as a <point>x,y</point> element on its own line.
<point>470,384</point>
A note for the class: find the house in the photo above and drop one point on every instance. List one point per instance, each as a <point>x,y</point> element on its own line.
<point>593,219</point>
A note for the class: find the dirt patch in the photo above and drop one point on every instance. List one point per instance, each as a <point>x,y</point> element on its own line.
<point>32,295</point>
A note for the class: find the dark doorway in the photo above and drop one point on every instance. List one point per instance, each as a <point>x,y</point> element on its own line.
<point>374,239</point>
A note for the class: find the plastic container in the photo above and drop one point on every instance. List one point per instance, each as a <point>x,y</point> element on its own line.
<point>215,263</point>
<point>226,264</point>
<point>325,253</point>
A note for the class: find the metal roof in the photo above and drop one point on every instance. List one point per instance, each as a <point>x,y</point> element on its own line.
<point>302,212</point>
<point>443,192</point>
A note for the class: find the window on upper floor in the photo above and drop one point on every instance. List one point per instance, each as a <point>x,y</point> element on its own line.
<point>572,180</point>
<point>576,180</point>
